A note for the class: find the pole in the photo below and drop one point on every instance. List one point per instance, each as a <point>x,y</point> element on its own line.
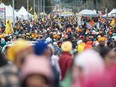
<point>44,6</point>
<point>13,13</point>
<point>41,9</point>
<point>38,7</point>
<point>34,6</point>
<point>27,9</point>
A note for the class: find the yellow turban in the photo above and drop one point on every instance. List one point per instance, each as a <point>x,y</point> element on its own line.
<point>101,39</point>
<point>17,47</point>
<point>66,46</point>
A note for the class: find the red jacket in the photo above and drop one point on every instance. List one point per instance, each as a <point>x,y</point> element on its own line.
<point>65,63</point>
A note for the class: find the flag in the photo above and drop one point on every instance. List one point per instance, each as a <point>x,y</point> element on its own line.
<point>30,9</point>
<point>35,16</point>
<point>92,22</point>
<point>9,28</point>
<point>43,20</point>
<point>112,22</point>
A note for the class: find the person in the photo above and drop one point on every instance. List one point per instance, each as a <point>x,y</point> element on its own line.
<point>38,75</point>
<point>102,44</point>
<point>66,59</point>
<point>8,73</point>
<point>88,45</point>
<point>80,46</point>
<point>18,52</point>
<point>86,66</point>
<point>109,56</point>
<point>41,49</point>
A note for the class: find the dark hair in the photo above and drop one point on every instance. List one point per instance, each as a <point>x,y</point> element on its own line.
<point>24,83</point>
<point>3,60</point>
<point>104,51</point>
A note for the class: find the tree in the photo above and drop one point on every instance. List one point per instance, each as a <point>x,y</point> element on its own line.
<point>48,6</point>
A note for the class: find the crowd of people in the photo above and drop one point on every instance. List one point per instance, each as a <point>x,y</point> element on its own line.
<point>54,51</point>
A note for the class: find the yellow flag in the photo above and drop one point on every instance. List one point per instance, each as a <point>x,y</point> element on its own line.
<point>113,22</point>
<point>30,9</point>
<point>35,16</point>
<point>9,28</point>
<point>43,20</point>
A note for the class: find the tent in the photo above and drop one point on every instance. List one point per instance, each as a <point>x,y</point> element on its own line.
<point>66,14</point>
<point>8,11</point>
<point>43,14</point>
<point>111,14</point>
<point>23,13</point>
<point>88,13</point>
<point>11,8</point>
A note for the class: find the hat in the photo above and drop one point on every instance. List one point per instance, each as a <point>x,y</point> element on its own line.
<point>66,46</point>
<point>37,65</point>
<point>101,39</point>
<point>40,47</point>
<point>17,47</point>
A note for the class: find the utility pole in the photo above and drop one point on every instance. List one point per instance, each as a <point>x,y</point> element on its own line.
<point>44,6</point>
<point>34,6</point>
<point>41,9</point>
<point>27,9</point>
<point>13,13</point>
<point>38,7</point>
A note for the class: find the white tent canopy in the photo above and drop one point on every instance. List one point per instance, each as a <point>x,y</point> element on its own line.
<point>111,14</point>
<point>8,11</point>
<point>88,13</point>
<point>23,13</point>
<point>66,14</point>
<point>11,8</point>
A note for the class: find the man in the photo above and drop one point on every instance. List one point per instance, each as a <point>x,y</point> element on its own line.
<point>66,59</point>
<point>101,41</point>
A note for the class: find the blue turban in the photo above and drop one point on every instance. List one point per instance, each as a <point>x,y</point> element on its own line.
<point>40,47</point>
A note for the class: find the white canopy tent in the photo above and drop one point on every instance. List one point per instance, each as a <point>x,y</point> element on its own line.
<point>11,8</point>
<point>111,14</point>
<point>23,13</point>
<point>88,13</point>
<point>66,14</point>
<point>8,11</point>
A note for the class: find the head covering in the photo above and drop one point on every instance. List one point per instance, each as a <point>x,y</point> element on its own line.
<point>81,47</point>
<point>36,65</point>
<point>66,46</point>
<point>49,40</point>
<point>90,64</point>
<point>40,47</point>
<point>101,39</point>
<point>88,45</point>
<point>17,47</point>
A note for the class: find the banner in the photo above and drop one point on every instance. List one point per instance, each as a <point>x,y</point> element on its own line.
<point>2,14</point>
